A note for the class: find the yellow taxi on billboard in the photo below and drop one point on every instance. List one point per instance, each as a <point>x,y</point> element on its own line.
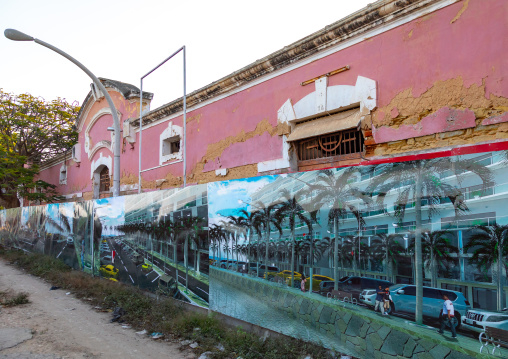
<point>108,271</point>
<point>316,279</point>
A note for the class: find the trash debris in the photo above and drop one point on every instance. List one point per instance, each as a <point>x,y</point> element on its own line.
<point>185,342</point>
<point>67,293</point>
<point>220,347</point>
<point>197,329</point>
<point>143,332</point>
<point>206,355</point>
<point>126,326</point>
<point>54,288</point>
<point>194,345</point>
<point>156,335</point>
<point>117,315</point>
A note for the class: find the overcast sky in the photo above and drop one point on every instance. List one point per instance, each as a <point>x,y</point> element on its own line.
<point>123,40</point>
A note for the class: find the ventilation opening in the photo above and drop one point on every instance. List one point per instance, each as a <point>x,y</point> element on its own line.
<point>171,145</point>
<point>330,145</point>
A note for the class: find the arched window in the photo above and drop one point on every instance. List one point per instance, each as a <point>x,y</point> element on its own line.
<point>105,181</point>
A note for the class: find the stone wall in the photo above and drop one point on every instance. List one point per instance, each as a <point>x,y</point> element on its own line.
<point>360,332</point>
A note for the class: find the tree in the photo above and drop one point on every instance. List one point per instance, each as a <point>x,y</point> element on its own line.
<point>32,131</point>
<point>338,193</point>
<point>490,244</point>
<point>421,179</point>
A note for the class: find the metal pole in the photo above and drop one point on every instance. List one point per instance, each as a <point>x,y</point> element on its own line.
<point>92,237</point>
<point>184,122</point>
<point>140,132</point>
<point>116,121</point>
<point>184,113</point>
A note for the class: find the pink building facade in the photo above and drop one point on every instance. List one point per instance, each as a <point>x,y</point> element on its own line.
<point>394,79</point>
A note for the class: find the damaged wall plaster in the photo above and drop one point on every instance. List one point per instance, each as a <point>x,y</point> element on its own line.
<point>461,11</point>
<point>212,158</point>
<point>407,112</point>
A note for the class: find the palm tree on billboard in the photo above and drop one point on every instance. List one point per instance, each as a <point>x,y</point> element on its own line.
<point>191,227</point>
<point>341,196</point>
<point>267,217</point>
<point>490,247</point>
<point>436,251</point>
<point>291,209</point>
<point>174,228</point>
<point>251,223</point>
<point>217,235</point>
<point>237,228</point>
<point>421,179</point>
<point>388,247</point>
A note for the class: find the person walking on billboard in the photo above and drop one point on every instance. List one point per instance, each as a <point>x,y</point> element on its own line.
<point>380,300</point>
<point>448,317</point>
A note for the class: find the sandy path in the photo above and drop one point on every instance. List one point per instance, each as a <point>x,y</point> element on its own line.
<point>66,327</point>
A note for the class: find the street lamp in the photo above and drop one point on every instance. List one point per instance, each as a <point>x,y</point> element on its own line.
<point>16,35</point>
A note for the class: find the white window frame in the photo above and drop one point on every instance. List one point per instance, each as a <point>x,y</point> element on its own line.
<point>170,133</point>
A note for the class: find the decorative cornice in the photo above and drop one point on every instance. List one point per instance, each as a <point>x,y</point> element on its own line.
<point>66,156</point>
<point>128,91</point>
<point>368,18</point>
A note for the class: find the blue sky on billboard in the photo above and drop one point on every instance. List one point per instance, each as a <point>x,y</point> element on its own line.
<point>55,211</point>
<point>227,198</point>
<point>25,215</point>
<point>111,210</point>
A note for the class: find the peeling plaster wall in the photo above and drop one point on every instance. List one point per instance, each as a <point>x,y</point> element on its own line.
<point>440,83</point>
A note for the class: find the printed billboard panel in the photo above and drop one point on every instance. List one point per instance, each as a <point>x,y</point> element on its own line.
<point>393,238</point>
<point>147,240</point>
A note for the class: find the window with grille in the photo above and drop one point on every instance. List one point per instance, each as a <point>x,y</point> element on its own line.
<point>330,145</point>
<point>105,181</point>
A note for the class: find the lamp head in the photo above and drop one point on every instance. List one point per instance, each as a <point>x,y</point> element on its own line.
<point>16,35</point>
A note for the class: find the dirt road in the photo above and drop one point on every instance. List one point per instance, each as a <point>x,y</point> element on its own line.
<point>61,326</point>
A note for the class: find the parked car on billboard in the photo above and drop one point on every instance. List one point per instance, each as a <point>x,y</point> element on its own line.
<point>238,267</point>
<point>262,270</point>
<point>404,300</point>
<point>477,319</point>
<point>355,285</point>
<point>316,281</point>
<point>70,241</point>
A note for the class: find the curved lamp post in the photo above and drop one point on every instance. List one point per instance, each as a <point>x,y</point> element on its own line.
<point>16,35</point>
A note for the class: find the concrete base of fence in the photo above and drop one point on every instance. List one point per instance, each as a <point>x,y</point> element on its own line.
<point>356,330</point>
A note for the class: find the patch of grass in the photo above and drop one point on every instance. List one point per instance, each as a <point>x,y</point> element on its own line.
<point>11,300</point>
<point>164,315</point>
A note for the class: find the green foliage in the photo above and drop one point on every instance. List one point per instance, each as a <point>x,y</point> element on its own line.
<point>32,131</point>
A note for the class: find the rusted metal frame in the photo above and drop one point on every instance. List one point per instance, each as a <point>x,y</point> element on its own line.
<point>328,74</point>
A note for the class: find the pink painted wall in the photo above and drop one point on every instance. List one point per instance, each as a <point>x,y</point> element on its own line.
<point>412,56</point>
<point>79,177</point>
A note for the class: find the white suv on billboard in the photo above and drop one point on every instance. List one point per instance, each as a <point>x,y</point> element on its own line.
<point>477,319</point>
